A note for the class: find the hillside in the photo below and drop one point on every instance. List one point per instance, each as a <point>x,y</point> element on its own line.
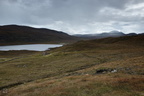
<point>100,67</point>
<point>137,40</point>
<point>14,34</point>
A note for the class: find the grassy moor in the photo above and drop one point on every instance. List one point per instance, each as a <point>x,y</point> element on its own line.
<point>100,67</point>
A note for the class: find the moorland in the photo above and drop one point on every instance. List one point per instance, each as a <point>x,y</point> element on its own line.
<point>100,67</point>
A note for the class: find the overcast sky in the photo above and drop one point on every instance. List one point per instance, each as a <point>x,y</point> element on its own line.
<point>75,16</point>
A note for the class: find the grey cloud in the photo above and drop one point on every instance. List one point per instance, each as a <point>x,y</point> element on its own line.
<point>74,15</point>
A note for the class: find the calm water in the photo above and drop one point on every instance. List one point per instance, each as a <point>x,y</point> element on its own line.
<point>34,47</point>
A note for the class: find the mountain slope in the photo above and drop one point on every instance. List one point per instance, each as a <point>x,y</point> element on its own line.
<point>14,34</point>
<point>87,45</point>
<point>103,67</point>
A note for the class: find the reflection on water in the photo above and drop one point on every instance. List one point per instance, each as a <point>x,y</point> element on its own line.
<point>34,47</point>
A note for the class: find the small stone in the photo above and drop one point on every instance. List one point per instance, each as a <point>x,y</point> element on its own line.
<point>114,71</point>
<point>87,74</point>
<point>4,91</point>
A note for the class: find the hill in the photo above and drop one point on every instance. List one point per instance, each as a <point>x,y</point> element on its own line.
<point>104,35</point>
<point>100,67</point>
<point>136,40</point>
<point>14,34</point>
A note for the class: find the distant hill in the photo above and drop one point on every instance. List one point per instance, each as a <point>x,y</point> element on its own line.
<point>14,34</point>
<point>104,35</point>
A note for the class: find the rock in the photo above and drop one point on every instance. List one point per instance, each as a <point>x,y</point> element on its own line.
<point>4,91</point>
<point>114,71</point>
<point>101,71</point>
<point>87,74</point>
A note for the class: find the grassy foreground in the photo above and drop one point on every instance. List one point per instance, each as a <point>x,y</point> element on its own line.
<point>105,67</point>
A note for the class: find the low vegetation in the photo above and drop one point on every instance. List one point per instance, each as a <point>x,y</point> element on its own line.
<point>105,67</point>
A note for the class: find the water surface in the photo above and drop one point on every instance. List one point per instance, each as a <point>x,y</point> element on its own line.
<point>32,47</point>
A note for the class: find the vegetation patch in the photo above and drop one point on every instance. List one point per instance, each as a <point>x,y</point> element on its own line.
<point>105,68</point>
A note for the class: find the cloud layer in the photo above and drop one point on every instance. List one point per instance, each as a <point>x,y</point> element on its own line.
<point>75,16</point>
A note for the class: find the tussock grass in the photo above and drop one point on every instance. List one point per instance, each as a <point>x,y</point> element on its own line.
<point>71,69</point>
<point>84,85</point>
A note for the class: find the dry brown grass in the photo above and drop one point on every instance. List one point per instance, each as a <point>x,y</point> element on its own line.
<point>68,86</point>
<point>71,71</point>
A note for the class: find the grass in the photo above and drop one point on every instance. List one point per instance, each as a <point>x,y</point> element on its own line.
<point>84,85</point>
<point>71,70</point>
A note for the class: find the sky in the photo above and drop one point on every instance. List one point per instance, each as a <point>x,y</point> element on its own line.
<point>75,16</point>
